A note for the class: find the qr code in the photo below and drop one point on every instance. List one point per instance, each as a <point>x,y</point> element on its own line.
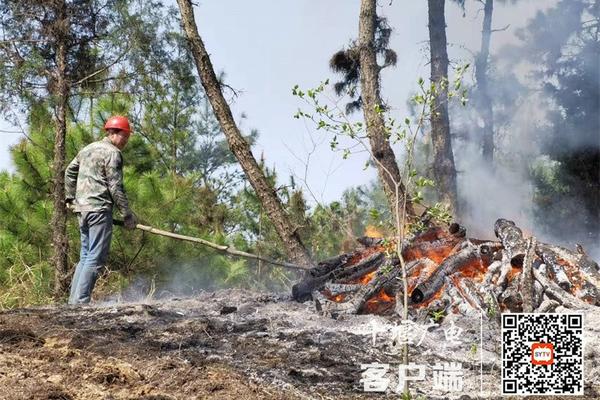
<point>542,354</point>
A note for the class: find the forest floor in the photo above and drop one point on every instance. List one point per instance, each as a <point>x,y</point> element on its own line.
<point>230,344</point>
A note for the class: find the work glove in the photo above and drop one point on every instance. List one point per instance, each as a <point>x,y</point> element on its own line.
<point>130,221</point>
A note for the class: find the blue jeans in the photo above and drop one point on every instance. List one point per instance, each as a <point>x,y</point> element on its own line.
<point>96,232</point>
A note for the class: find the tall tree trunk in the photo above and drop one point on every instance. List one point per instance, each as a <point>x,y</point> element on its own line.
<point>481,66</point>
<point>387,167</point>
<point>238,145</point>
<point>444,171</point>
<point>60,93</point>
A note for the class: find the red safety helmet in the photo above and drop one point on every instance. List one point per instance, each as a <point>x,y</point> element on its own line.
<point>118,122</point>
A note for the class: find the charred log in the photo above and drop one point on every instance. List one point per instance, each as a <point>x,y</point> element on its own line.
<point>303,290</point>
<point>512,240</point>
<point>527,277</point>
<point>458,302</point>
<point>492,271</point>
<point>375,293</point>
<point>468,291</point>
<point>470,253</point>
<point>551,261</point>
<point>366,266</point>
<point>547,305</point>
<point>589,293</point>
<point>326,266</point>
<point>585,265</point>
<point>457,230</point>
<point>556,293</point>
<point>369,241</point>
<point>511,297</point>
<point>385,274</point>
<point>335,289</point>
<point>505,269</point>
<point>447,272</point>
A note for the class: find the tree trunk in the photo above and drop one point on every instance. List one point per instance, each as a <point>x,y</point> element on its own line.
<point>60,93</point>
<point>444,171</point>
<point>481,66</point>
<point>238,145</point>
<point>382,152</point>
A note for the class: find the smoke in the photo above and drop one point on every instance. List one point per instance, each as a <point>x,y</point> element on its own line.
<point>487,194</point>
<point>166,282</point>
<point>542,111</point>
<point>187,280</point>
<point>190,279</point>
<point>504,189</point>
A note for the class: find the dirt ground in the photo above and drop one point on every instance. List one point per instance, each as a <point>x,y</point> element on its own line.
<point>140,351</point>
<point>224,345</point>
<point>62,359</point>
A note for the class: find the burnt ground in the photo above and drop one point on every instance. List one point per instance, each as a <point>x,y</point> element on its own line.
<point>230,344</point>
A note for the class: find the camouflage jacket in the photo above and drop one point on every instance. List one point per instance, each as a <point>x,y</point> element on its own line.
<point>94,179</point>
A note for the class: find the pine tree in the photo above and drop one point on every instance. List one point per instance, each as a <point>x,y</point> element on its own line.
<point>47,50</point>
<point>444,170</point>
<point>564,44</point>
<point>239,146</point>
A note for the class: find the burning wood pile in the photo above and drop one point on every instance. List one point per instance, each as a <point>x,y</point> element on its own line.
<point>450,273</point>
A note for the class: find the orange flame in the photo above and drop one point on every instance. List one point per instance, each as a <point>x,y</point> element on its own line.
<point>385,297</point>
<point>379,303</point>
<point>339,298</point>
<point>366,278</point>
<point>373,232</point>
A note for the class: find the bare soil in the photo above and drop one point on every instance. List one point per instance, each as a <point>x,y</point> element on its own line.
<point>177,349</point>
<point>231,344</point>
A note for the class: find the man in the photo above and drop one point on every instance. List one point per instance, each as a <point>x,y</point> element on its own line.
<point>93,184</point>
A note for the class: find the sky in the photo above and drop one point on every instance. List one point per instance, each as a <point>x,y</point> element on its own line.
<point>266,47</point>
